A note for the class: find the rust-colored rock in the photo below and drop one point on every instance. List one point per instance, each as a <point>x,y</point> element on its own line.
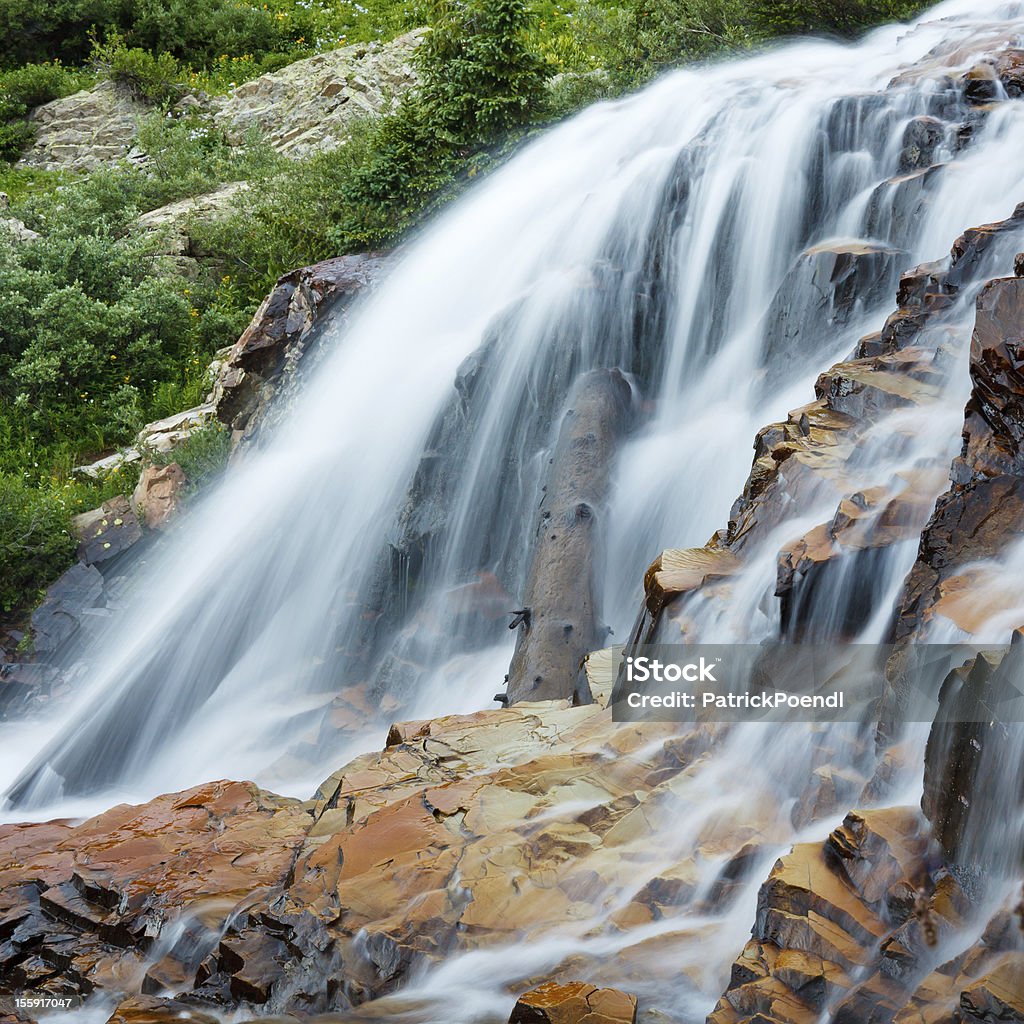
<point>159,494</point>
<point>575,1002</point>
<point>83,904</point>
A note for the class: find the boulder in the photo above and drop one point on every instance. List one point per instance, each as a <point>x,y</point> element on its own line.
<point>107,531</point>
<point>159,494</point>
<point>574,1002</point>
<point>268,361</point>
<point>11,225</point>
<point>163,436</point>
<point>310,106</point>
<point>82,132</point>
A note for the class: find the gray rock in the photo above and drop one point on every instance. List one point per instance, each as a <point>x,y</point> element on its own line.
<point>86,130</point>
<point>311,105</point>
<point>106,532</point>
<point>60,615</point>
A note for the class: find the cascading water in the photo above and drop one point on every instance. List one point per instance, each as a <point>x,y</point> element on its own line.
<point>678,235</point>
<point>653,234</point>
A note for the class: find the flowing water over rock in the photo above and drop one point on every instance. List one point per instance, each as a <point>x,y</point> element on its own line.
<point>729,241</point>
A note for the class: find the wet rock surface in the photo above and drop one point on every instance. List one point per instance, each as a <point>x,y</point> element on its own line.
<point>574,1003</point>
<point>266,363</point>
<point>981,513</point>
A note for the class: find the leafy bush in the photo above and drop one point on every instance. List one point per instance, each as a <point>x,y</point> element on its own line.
<point>197,32</point>
<point>94,327</point>
<point>25,88</point>
<point>153,77</point>
<point>845,18</point>
<point>35,541</point>
<point>203,455</point>
<point>31,31</point>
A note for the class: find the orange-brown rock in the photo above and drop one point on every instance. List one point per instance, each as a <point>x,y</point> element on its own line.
<point>823,913</point>
<point>81,905</point>
<point>574,1003</point>
<point>159,494</point>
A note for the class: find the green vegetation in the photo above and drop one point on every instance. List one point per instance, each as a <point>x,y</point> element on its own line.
<point>35,544</point>
<point>101,333</point>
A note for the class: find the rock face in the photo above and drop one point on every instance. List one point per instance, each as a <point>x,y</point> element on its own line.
<point>159,494</point>
<point>814,451</point>
<point>81,906</point>
<point>311,105</point>
<point>464,832</point>
<point>574,1003</point>
<point>983,510</point>
<point>558,625</point>
<point>267,361</point>
<point>307,107</point>
<point>967,789</point>
<point>67,604</point>
<point>82,132</point>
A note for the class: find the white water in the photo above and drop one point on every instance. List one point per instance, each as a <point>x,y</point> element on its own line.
<point>252,618</point>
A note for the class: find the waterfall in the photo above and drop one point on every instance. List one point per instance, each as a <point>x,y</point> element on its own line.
<point>680,235</point>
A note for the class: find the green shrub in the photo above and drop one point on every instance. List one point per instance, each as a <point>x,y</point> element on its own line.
<point>153,77</point>
<point>32,31</point>
<point>35,542</point>
<point>197,32</point>
<point>203,455</point>
<point>480,79</point>
<point>845,18</point>
<point>25,88</point>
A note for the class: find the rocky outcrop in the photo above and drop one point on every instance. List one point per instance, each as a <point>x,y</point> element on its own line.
<point>82,132</point>
<point>310,106</point>
<point>463,832</point>
<point>171,227</point>
<point>844,927</point>
<point>81,906</point>
<point>814,451</point>
<point>967,791</point>
<point>307,107</point>
<point>267,362</point>
<point>983,510</point>
<point>66,607</point>
<point>558,625</point>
